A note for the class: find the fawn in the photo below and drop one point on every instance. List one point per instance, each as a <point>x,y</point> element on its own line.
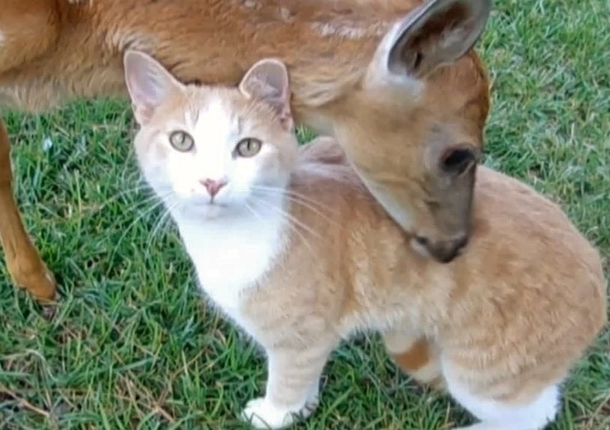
<point>396,82</point>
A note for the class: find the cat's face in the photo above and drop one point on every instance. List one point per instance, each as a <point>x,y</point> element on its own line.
<point>214,151</point>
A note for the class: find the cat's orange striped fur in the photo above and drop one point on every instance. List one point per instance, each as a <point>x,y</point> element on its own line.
<point>363,71</point>
<point>294,249</point>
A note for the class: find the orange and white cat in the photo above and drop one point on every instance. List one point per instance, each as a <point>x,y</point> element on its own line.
<point>291,246</point>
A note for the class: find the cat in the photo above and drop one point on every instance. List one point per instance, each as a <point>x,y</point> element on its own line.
<point>288,243</point>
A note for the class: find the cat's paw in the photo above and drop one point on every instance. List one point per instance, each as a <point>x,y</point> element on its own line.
<point>262,414</point>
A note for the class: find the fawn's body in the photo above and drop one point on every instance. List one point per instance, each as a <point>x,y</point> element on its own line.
<point>361,71</point>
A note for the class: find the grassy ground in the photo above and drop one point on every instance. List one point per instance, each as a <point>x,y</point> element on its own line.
<point>133,347</point>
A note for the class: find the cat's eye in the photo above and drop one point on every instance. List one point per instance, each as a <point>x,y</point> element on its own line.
<point>248,147</point>
<point>181,141</point>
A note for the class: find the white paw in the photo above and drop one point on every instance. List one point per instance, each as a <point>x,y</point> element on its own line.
<point>262,414</point>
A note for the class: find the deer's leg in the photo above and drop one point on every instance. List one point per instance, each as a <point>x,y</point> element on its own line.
<point>22,259</point>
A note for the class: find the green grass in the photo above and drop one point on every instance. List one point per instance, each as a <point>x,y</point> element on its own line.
<point>132,346</point>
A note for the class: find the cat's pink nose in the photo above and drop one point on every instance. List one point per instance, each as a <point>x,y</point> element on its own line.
<point>213,186</point>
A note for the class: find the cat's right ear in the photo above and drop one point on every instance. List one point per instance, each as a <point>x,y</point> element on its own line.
<point>148,84</point>
<point>267,80</point>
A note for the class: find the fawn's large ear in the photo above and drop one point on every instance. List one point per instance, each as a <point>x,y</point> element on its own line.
<point>267,80</point>
<point>148,83</point>
<point>437,32</point>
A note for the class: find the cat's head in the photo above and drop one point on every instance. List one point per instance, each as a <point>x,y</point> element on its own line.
<point>212,150</point>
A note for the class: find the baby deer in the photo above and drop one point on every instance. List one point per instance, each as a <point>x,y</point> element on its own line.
<point>396,82</point>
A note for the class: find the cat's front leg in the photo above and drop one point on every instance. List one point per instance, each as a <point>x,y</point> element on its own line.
<point>292,387</point>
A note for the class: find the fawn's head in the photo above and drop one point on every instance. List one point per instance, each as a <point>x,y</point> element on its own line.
<point>417,143</point>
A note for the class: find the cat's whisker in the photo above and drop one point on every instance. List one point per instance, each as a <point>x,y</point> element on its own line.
<point>306,242</point>
<point>253,212</point>
<point>300,199</point>
<point>314,210</point>
<point>136,221</point>
<point>292,223</point>
<point>126,193</point>
<point>291,193</point>
<point>141,186</point>
<point>168,206</point>
<point>290,217</point>
<point>154,198</point>
<point>164,219</point>
<point>157,227</point>
<point>146,212</point>
<point>142,203</point>
<point>297,200</point>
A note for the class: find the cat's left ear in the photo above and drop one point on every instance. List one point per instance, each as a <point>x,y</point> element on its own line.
<point>148,83</point>
<point>267,80</point>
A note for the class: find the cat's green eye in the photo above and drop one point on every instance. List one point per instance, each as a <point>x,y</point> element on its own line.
<point>181,141</point>
<point>248,147</point>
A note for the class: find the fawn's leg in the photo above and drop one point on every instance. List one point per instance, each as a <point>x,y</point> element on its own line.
<point>292,386</point>
<point>24,264</point>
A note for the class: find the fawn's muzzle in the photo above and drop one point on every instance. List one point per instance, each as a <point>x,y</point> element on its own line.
<point>443,251</point>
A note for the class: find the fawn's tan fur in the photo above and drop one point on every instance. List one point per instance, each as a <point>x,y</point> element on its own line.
<point>499,327</point>
<point>54,51</point>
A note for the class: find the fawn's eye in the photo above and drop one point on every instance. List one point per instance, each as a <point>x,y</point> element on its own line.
<point>458,160</point>
<point>181,141</point>
<point>248,147</point>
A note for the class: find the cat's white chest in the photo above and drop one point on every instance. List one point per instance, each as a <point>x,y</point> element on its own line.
<point>231,257</point>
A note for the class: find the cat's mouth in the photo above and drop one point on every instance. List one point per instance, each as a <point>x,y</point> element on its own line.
<point>207,207</point>
<point>208,203</point>
<point>203,205</point>
<point>204,200</point>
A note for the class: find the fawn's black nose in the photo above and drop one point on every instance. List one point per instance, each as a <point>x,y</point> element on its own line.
<point>444,251</point>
